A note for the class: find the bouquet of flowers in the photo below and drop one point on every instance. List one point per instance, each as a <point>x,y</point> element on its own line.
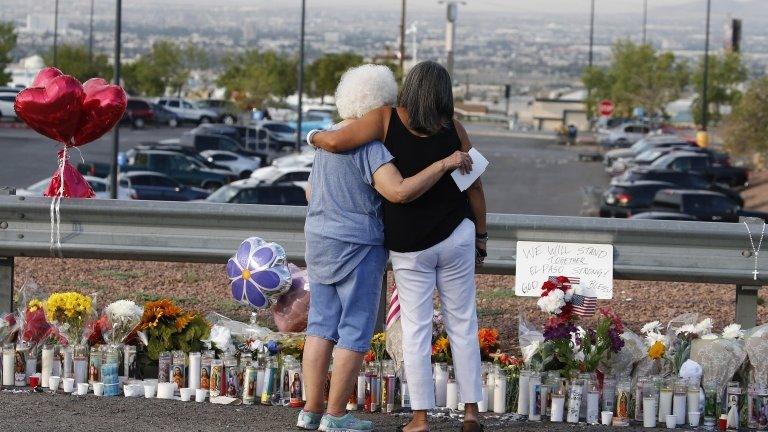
<point>489,343</point>
<point>69,312</point>
<point>123,317</point>
<point>720,356</point>
<point>756,344</point>
<point>292,344</point>
<point>166,327</point>
<point>35,327</point>
<point>441,350</point>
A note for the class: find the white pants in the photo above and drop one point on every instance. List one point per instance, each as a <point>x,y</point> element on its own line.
<point>449,265</point>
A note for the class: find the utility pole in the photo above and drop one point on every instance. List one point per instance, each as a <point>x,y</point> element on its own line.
<point>591,32</point>
<point>116,73</point>
<point>452,10</point>
<point>645,21</point>
<point>301,75</point>
<point>90,36</point>
<point>402,39</point>
<point>55,33</point>
<point>704,95</point>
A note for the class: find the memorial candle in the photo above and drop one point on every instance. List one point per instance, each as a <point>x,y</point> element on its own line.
<point>534,390</point>
<point>195,362</point>
<point>361,389</point>
<point>46,369</point>
<point>500,394</point>
<point>558,406</point>
<point>522,397</point>
<point>441,384</point>
<point>20,365</point>
<point>639,399</point>
<point>80,357</point>
<point>574,400</point>
<point>482,405</point>
<point>9,351</point>
<point>649,411</point>
<point>694,398</point>
<point>593,404</point>
<point>665,402</point>
<point>678,402</point>
<point>490,382</point>
<point>68,362</point>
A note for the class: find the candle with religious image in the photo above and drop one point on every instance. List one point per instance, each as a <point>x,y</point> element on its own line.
<point>164,362</point>
<point>20,366</point>
<point>231,371</point>
<point>217,377</point>
<point>296,387</point>
<point>623,396</point>
<point>249,385</point>
<point>534,391</point>
<point>270,377</point>
<point>205,369</point>
<point>80,360</point>
<point>178,371</point>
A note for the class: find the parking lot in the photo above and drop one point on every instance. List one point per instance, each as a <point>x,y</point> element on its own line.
<point>528,175</point>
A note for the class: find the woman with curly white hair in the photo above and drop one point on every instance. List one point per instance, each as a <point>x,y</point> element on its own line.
<point>345,251</point>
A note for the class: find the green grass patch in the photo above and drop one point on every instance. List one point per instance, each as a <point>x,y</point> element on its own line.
<point>486,313</point>
<point>83,285</point>
<point>191,277</point>
<point>497,294</point>
<point>121,275</point>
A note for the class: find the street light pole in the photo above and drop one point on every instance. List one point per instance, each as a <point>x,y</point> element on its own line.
<point>704,95</point>
<point>591,31</point>
<point>90,36</point>
<point>55,33</point>
<point>452,10</point>
<point>645,21</point>
<point>301,75</point>
<point>116,131</point>
<point>402,38</point>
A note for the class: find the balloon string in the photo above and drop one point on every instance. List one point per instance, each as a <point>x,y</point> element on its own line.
<point>56,209</point>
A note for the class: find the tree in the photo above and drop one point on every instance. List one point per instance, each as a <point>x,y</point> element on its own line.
<point>725,74</point>
<point>7,44</point>
<point>253,77</point>
<point>746,129</point>
<point>74,60</point>
<point>324,73</point>
<point>638,76</point>
<point>166,66</point>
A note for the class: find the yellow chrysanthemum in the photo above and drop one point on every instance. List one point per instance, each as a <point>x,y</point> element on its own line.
<point>34,305</point>
<point>656,351</point>
<point>379,338</point>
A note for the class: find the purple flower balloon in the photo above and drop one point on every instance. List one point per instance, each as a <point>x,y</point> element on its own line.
<point>258,273</point>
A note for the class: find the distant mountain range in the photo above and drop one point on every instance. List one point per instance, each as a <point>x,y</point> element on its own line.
<point>745,9</point>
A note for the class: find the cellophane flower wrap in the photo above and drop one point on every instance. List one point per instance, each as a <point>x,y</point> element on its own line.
<point>756,344</point>
<point>123,317</point>
<point>720,357</point>
<point>35,328</point>
<point>167,327</point>
<point>69,312</point>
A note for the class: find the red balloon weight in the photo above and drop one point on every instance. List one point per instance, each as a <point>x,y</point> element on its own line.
<point>45,75</point>
<point>75,186</point>
<point>103,107</point>
<point>53,109</point>
<point>292,308</point>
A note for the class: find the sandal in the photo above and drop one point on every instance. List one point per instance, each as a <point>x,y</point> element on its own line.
<point>480,426</point>
<point>401,428</point>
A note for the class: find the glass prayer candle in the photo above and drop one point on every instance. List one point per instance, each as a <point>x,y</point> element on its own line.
<point>593,403</point>
<point>609,394</point>
<point>679,401</point>
<point>46,367</point>
<point>665,401</point>
<point>534,404</point>
<point>623,396</point>
<point>20,366</point>
<point>80,357</point>
<point>9,356</point>
<point>522,397</point>
<point>574,400</point>
<point>694,396</point>
<point>440,376</point>
<point>710,405</point>
<point>639,402</point>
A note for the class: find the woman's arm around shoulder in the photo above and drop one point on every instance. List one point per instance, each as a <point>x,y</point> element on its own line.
<point>370,127</point>
<point>388,181</point>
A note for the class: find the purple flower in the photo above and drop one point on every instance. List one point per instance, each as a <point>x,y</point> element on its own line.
<point>617,343</point>
<point>562,331</point>
<point>255,273</point>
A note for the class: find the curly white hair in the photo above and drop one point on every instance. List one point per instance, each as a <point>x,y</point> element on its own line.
<point>365,88</point>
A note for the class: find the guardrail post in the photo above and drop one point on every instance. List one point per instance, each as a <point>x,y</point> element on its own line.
<point>382,316</point>
<point>6,268</point>
<point>746,305</point>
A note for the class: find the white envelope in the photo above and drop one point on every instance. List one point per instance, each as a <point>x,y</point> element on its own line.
<point>479,164</point>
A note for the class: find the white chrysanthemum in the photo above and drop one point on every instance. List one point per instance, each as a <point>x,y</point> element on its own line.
<point>365,88</point>
<point>552,303</point>
<point>568,294</point>
<point>653,337</point>
<point>123,309</point>
<point>709,336</point>
<point>221,336</point>
<point>653,326</point>
<point>733,331</point>
<point>704,327</point>
<point>687,328</point>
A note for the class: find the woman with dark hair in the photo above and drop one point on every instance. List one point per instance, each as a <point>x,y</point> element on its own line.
<point>435,240</point>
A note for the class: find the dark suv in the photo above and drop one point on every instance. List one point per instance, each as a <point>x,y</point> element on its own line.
<point>684,180</point>
<point>181,168</point>
<point>704,164</point>
<point>703,205</point>
<point>626,199</point>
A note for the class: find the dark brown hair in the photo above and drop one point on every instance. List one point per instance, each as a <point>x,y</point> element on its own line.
<point>427,95</point>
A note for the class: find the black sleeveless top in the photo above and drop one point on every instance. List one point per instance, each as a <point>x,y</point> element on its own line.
<point>431,218</point>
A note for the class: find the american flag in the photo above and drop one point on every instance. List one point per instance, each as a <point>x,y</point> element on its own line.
<point>393,312</point>
<point>583,305</point>
<point>572,281</point>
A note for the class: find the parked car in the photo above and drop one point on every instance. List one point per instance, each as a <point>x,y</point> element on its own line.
<point>186,151</point>
<point>226,111</point>
<point>703,205</point>
<point>658,215</point>
<point>313,120</point>
<point>303,159</point>
<point>240,165</point>
<point>149,185</point>
<point>251,191</point>
<point>643,145</point>
<point>165,116</point>
<point>281,133</point>
<point>179,167</point>
<point>624,135</point>
<point>703,164</point>
<point>99,185</point>
<point>138,113</point>
<point>605,124</point>
<point>188,111</point>
<point>274,175</point>
<point>683,180</point>
<point>648,157</point>
<point>202,142</point>
<point>7,99</point>
<point>625,199</point>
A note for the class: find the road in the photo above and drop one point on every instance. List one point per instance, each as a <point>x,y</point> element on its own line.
<point>527,175</point>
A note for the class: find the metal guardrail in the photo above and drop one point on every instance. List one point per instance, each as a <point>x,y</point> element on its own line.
<point>202,232</point>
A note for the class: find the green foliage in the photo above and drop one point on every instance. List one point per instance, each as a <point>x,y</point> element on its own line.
<point>166,337</point>
<point>638,76</point>
<point>74,60</point>
<point>166,66</point>
<point>253,77</point>
<point>725,74</point>
<point>324,73</point>
<point>7,44</point>
<point>746,129</point>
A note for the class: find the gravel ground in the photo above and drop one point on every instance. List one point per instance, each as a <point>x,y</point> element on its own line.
<point>37,412</point>
<point>203,287</point>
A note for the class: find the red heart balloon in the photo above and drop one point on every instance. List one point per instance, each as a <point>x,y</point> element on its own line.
<point>45,75</point>
<point>103,107</point>
<point>53,109</point>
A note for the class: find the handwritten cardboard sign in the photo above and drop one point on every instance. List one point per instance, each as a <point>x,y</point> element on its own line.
<point>591,263</point>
